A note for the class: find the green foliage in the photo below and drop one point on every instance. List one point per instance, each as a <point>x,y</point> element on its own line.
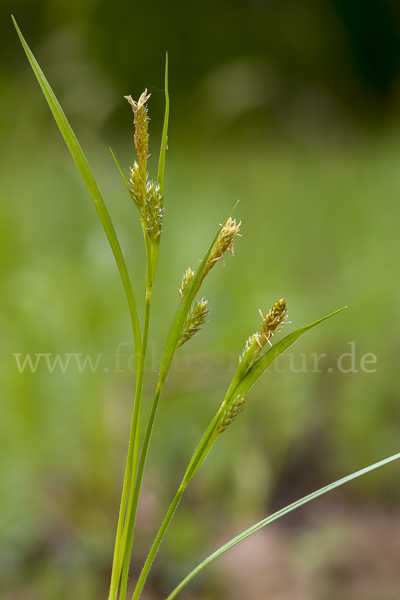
<point>247,373</point>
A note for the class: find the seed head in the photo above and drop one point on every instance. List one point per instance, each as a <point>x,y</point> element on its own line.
<point>186,280</point>
<point>194,321</point>
<point>224,241</point>
<point>273,322</point>
<point>230,413</point>
<point>153,210</point>
<point>136,186</point>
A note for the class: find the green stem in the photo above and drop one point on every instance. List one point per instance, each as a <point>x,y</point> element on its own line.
<point>126,524</point>
<point>134,498</point>
<point>200,453</point>
<point>130,470</point>
<point>157,542</point>
<point>117,558</point>
<point>135,490</point>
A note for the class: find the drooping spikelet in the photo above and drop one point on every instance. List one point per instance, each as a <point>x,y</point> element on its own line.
<point>194,321</point>
<point>224,241</point>
<point>186,280</point>
<point>231,412</point>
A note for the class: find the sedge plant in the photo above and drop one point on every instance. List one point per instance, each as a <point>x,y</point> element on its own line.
<point>258,354</point>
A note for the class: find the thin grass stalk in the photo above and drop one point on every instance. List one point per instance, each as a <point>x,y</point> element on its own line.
<point>130,469</point>
<point>164,370</point>
<point>130,517</point>
<point>160,535</point>
<point>126,521</point>
<point>240,381</point>
<point>200,453</point>
<point>143,455</point>
<point>118,554</point>
<point>152,248</point>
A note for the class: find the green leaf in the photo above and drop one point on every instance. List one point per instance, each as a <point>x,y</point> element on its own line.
<point>183,309</point>
<point>161,169</point>
<point>241,384</point>
<point>276,516</point>
<point>164,139</point>
<point>90,182</point>
<point>121,172</point>
<point>273,353</point>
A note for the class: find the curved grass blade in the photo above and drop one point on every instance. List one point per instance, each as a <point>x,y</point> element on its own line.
<point>276,516</point>
<point>90,182</point>
<point>164,139</point>
<point>211,434</point>
<point>161,169</point>
<point>262,363</point>
<point>121,171</point>
<point>241,384</point>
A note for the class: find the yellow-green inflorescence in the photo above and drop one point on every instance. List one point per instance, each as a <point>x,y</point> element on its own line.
<point>231,412</point>
<point>194,321</point>
<point>272,323</point>
<point>186,281</point>
<point>145,193</point>
<point>224,241</point>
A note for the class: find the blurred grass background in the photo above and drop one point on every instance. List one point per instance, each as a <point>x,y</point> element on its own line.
<point>293,107</point>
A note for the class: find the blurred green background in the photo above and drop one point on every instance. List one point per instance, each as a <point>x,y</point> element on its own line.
<point>293,107</point>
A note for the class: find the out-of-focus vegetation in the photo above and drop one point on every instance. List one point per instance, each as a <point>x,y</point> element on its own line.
<point>291,107</point>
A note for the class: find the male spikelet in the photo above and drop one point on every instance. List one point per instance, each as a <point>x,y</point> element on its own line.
<point>146,194</point>
<point>138,174</point>
<point>194,321</point>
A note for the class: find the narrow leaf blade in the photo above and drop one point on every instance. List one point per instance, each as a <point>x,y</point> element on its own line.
<point>241,385</point>
<point>164,139</point>
<point>89,180</point>
<point>183,309</point>
<point>274,352</point>
<point>276,516</point>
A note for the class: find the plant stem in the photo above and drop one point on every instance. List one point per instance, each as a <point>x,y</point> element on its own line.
<point>117,558</point>
<point>126,520</point>
<point>134,491</point>
<point>200,453</point>
<point>157,541</point>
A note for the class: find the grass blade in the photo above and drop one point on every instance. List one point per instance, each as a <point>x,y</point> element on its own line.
<point>274,352</point>
<point>211,433</point>
<point>164,139</point>
<point>276,516</point>
<point>89,180</point>
<point>183,309</point>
